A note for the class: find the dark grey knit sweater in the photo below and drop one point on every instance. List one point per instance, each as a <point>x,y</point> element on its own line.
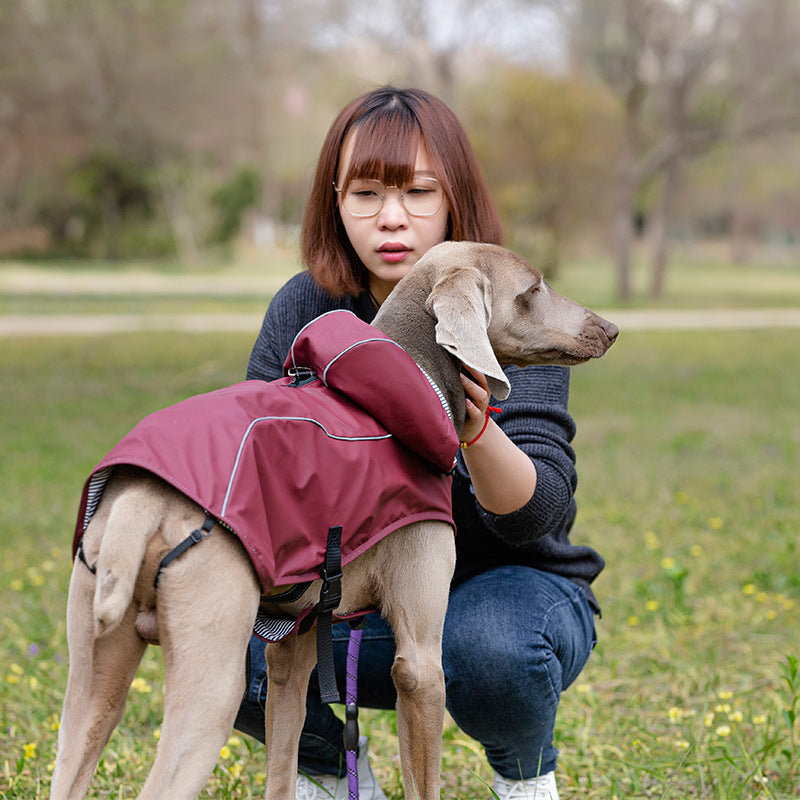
<point>534,416</point>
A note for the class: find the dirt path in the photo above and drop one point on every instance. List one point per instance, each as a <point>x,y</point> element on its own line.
<point>32,281</point>
<point>21,325</point>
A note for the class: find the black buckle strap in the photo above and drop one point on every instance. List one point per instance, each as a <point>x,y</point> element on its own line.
<point>197,535</point>
<point>329,598</point>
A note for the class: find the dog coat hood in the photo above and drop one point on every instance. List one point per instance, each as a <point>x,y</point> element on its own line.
<point>355,435</point>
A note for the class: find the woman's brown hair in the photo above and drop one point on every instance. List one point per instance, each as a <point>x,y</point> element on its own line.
<point>391,123</point>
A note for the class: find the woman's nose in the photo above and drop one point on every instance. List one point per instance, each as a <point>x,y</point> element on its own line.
<point>393,214</point>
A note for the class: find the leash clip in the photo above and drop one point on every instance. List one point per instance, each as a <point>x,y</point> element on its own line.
<point>301,376</point>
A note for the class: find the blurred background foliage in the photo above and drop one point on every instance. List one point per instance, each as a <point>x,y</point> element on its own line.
<point>172,129</point>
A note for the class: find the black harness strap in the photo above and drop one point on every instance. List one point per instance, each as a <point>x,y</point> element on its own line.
<point>329,598</point>
<point>197,535</point>
<point>294,592</point>
<point>82,557</point>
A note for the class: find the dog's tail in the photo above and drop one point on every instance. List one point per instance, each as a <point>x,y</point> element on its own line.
<point>133,520</point>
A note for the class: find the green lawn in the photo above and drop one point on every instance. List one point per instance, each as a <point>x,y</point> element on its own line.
<point>689,461</point>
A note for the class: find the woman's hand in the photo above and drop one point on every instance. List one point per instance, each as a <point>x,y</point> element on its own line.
<point>477,394</point>
<point>503,477</point>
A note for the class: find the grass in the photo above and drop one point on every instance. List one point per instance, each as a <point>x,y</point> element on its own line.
<point>697,277</point>
<point>689,456</point>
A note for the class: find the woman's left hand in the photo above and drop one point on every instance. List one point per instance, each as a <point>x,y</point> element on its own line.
<point>477,394</point>
<point>503,477</point>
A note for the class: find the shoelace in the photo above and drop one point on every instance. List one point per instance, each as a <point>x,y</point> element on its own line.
<point>535,788</point>
<point>308,790</point>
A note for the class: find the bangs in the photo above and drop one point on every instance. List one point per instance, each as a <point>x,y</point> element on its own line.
<point>385,147</point>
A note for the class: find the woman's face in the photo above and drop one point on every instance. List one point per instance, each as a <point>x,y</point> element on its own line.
<point>392,241</point>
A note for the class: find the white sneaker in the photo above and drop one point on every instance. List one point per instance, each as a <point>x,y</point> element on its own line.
<point>331,787</point>
<point>541,788</point>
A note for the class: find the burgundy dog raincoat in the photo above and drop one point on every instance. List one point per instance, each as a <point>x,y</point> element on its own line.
<point>355,436</point>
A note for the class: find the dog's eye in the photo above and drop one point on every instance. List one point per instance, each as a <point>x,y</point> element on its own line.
<point>535,288</point>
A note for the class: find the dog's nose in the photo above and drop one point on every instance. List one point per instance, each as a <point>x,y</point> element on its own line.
<point>611,331</point>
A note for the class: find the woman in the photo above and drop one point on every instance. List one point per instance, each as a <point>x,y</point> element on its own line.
<point>396,176</point>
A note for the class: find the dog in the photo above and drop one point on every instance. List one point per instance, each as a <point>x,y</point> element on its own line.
<point>475,305</point>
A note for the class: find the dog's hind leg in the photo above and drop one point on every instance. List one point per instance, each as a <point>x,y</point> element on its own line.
<point>207,602</point>
<point>100,674</point>
<point>415,588</point>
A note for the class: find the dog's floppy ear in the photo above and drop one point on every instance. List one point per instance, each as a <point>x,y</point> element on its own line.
<point>461,301</point>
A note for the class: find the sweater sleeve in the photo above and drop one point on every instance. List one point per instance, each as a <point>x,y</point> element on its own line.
<point>296,303</point>
<point>536,419</point>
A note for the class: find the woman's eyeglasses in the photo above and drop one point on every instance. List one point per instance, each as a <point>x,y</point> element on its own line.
<point>422,197</point>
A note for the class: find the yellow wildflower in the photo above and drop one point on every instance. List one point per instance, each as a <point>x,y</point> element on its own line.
<point>141,685</point>
<point>652,541</point>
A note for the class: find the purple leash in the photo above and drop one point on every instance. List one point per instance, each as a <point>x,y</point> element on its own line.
<point>351,712</point>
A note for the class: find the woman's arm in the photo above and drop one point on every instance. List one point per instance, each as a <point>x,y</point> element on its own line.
<point>503,477</point>
<point>522,468</point>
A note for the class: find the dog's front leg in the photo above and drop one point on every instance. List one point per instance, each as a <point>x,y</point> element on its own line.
<point>417,575</point>
<point>418,677</point>
<point>289,665</point>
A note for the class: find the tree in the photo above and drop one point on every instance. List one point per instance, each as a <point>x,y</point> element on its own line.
<point>544,142</point>
<point>688,75</point>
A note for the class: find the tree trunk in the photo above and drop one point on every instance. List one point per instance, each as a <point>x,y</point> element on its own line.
<point>180,219</point>
<point>661,222</point>
<point>623,247</point>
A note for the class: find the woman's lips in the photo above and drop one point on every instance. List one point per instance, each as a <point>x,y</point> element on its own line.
<point>392,252</point>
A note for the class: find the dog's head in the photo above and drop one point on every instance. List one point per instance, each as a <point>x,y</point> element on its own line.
<point>492,308</point>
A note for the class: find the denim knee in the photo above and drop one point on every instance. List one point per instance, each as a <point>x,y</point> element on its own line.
<point>514,638</point>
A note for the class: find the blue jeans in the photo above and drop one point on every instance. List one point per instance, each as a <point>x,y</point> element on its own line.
<point>514,639</point>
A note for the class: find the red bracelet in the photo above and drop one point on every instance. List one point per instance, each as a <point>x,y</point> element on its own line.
<point>465,445</point>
